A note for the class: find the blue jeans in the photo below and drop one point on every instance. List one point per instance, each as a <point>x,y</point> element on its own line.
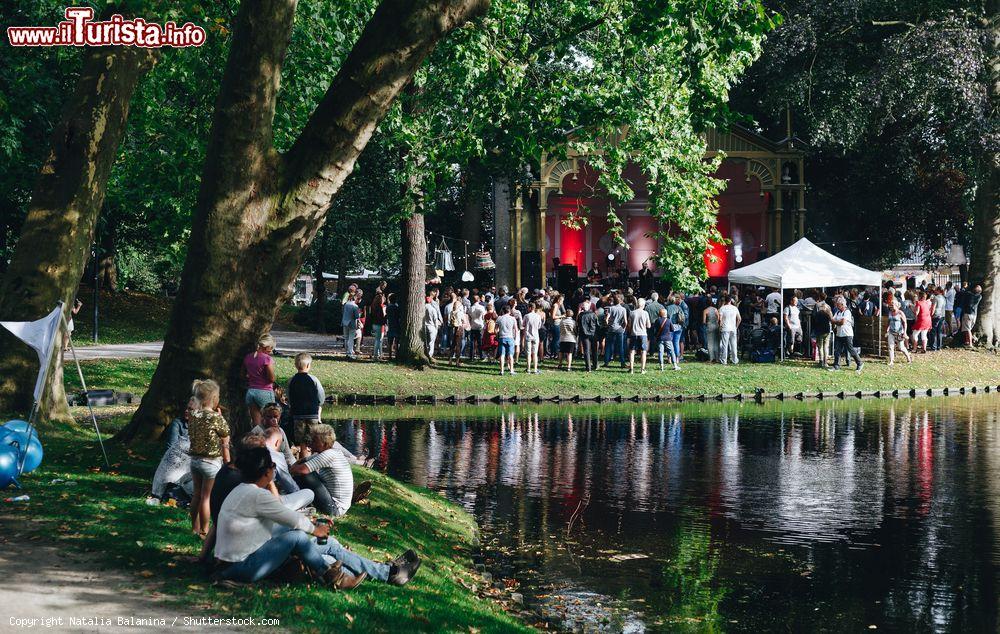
<point>675,337</point>
<point>614,344</point>
<point>553,347</point>
<point>275,551</point>
<point>937,323</point>
<point>379,332</point>
<point>668,347</point>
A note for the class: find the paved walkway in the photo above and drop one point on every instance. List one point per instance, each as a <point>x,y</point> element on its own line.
<point>44,586</point>
<point>289,343</point>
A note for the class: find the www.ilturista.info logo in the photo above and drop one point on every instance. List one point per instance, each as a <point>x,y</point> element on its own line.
<point>79,29</point>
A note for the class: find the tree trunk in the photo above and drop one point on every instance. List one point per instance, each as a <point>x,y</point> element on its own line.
<point>257,211</point>
<point>985,267</point>
<point>54,244</point>
<point>413,278</point>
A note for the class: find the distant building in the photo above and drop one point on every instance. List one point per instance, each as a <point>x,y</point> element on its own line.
<point>761,211</point>
<point>913,271</point>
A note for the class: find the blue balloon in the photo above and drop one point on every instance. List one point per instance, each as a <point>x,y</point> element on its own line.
<point>28,450</point>
<point>16,425</point>
<point>8,465</point>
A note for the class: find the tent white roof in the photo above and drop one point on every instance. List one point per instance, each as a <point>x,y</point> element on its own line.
<point>804,265</point>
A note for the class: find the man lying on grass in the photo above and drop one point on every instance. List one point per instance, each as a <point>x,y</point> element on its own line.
<point>257,534</point>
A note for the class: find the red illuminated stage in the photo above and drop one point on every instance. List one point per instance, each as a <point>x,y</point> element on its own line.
<point>761,211</point>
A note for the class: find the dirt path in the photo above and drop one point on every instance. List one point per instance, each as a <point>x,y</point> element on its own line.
<point>289,343</point>
<point>41,584</point>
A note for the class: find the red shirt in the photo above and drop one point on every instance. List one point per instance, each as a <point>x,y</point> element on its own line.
<point>924,311</point>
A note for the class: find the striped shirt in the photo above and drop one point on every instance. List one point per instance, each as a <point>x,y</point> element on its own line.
<point>332,467</point>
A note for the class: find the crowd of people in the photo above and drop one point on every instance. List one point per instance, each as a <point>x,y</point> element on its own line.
<point>264,506</point>
<point>593,327</point>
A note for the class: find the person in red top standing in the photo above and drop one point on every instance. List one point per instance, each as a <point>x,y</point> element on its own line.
<point>923,312</point>
<point>258,370</point>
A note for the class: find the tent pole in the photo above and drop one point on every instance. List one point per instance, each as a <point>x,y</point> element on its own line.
<point>83,384</point>
<point>781,320</point>
<point>34,406</point>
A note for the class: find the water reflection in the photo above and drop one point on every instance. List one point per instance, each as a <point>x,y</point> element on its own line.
<point>821,516</point>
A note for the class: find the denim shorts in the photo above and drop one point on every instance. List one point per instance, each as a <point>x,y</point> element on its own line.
<point>207,468</point>
<point>506,347</point>
<point>260,398</point>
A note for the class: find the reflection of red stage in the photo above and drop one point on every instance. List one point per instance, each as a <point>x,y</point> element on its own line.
<point>742,219</point>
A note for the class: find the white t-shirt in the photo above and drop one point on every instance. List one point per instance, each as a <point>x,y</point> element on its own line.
<point>532,325</point>
<point>792,313</point>
<point>476,314</point>
<point>949,299</point>
<point>246,521</point>
<point>773,301</point>
<point>847,328</point>
<point>728,315</point>
<point>640,323</point>
<point>507,327</point>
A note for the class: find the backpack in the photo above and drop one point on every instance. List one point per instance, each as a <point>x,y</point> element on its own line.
<point>491,326</point>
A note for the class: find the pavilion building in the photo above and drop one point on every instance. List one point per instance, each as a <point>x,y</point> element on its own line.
<point>761,211</point>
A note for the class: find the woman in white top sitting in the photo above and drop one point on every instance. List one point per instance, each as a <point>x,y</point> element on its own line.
<point>257,534</point>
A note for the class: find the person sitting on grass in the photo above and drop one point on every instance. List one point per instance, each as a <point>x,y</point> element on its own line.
<point>271,419</point>
<point>209,435</point>
<point>282,476</point>
<point>175,465</point>
<point>228,479</point>
<point>327,473</point>
<point>306,396</point>
<point>257,535</point>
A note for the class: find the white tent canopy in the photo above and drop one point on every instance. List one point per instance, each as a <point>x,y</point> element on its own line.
<point>804,265</point>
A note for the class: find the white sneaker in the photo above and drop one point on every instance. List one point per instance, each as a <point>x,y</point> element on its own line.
<point>512,373</point>
<point>643,372</point>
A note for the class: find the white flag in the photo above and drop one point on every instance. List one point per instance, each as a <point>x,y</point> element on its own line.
<point>40,335</point>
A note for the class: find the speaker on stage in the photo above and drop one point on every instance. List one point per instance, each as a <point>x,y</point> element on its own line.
<point>531,269</point>
<point>567,278</point>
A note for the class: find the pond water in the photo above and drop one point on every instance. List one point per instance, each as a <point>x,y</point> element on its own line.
<point>827,516</point>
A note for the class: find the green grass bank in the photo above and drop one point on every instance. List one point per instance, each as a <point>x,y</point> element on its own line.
<point>105,513</point>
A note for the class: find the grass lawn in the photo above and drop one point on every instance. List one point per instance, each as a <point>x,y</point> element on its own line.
<point>130,317</point>
<point>948,368</point>
<point>105,513</point>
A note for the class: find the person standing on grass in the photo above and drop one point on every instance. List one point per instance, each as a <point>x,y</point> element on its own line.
<point>258,372</point>
<point>970,310</point>
<point>664,339</point>
<point>937,318</point>
<point>793,323</point>
<point>616,318</point>
<point>567,339</point>
<point>675,313</point>
<point>653,307</point>
<point>949,307</point>
<point>376,322</point>
<point>843,321</point>
<point>533,325</point>
<point>895,333</point>
<point>349,319</point>
<point>710,322</point>
<point>922,317</point>
<point>306,397</point>
<point>587,335</point>
<point>209,435</point>
<point>729,324</point>
<point>822,326</point>
<point>490,341</point>
<point>638,326</point>
<point>432,321</point>
<point>507,335</point>
<point>477,312</point>
<point>457,321</point>
<point>392,315</point>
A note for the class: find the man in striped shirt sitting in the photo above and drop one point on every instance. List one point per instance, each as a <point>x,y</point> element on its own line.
<point>326,472</point>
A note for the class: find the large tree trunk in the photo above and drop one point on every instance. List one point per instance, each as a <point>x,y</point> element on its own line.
<point>985,268</point>
<point>54,244</point>
<point>413,278</point>
<point>258,211</point>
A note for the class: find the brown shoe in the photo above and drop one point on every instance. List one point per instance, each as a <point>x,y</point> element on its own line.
<point>334,576</point>
<point>349,581</point>
<point>361,492</point>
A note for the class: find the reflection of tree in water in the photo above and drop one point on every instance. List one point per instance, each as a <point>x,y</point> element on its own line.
<point>689,592</point>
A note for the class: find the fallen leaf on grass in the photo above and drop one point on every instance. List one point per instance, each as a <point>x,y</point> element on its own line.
<point>146,573</point>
